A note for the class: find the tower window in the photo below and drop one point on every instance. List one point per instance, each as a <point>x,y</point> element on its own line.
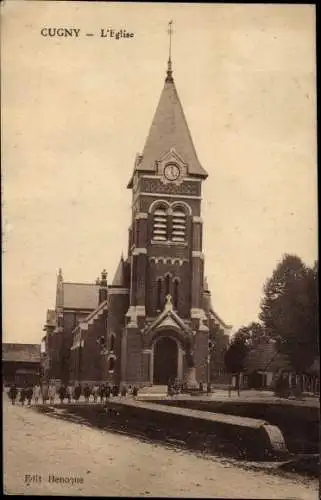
<point>112,342</point>
<point>175,293</point>
<point>167,284</point>
<point>159,294</point>
<point>160,224</point>
<point>179,225</point>
<point>111,364</point>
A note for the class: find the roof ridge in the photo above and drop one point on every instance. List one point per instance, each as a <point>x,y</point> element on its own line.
<point>79,283</point>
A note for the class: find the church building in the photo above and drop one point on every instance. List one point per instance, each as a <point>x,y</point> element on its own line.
<point>154,320</point>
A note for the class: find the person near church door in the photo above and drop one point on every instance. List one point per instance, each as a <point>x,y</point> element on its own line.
<point>115,390</point>
<point>62,393</point>
<point>13,392</point>
<point>77,392</point>
<point>52,393</point>
<point>95,392</point>
<point>69,393</point>
<point>102,392</point>
<point>87,393</point>
<point>123,391</point>
<point>29,393</point>
<point>108,391</point>
<point>44,393</point>
<point>22,395</point>
<point>36,393</point>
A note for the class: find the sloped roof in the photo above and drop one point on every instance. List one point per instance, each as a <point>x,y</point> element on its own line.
<point>169,129</point>
<point>119,278</point>
<point>264,357</point>
<point>80,295</point>
<point>208,308</point>
<point>21,352</point>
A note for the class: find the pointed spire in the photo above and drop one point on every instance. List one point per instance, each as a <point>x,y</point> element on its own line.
<point>169,129</point>
<point>119,278</point>
<point>59,289</point>
<point>169,77</point>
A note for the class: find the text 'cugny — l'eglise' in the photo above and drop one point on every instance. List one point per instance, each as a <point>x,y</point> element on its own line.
<point>70,32</point>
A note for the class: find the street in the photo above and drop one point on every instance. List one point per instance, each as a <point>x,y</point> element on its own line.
<point>47,456</point>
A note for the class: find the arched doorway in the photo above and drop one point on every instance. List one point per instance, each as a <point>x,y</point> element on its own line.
<point>165,360</point>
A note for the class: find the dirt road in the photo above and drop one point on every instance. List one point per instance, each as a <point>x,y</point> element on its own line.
<point>48,456</point>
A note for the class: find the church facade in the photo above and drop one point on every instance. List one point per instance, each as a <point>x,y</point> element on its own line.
<point>152,323</point>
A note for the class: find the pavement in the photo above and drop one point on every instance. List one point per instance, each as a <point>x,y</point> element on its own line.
<point>47,456</point>
<point>246,396</point>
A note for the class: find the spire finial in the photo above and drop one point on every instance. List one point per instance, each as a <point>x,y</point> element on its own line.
<point>169,77</point>
<point>60,277</point>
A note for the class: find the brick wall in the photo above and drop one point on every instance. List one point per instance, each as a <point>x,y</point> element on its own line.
<point>159,270</point>
<point>134,358</point>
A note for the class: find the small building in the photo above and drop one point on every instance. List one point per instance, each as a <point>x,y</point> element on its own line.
<point>20,364</point>
<point>263,363</point>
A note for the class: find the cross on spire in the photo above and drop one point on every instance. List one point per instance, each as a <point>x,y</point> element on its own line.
<point>170,31</point>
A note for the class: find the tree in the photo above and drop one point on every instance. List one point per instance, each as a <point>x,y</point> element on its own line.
<point>289,311</point>
<point>218,343</point>
<point>235,355</point>
<point>253,333</point>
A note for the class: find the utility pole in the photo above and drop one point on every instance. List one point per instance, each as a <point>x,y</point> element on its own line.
<point>209,352</point>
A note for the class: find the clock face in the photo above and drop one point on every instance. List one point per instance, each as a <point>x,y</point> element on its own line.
<point>171,171</point>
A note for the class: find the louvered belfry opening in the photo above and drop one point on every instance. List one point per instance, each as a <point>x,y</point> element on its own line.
<point>179,225</point>
<point>160,224</point>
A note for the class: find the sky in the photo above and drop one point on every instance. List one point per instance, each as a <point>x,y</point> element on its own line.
<point>76,111</point>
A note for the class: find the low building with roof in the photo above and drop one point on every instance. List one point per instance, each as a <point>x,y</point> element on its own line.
<point>20,363</point>
<point>263,363</point>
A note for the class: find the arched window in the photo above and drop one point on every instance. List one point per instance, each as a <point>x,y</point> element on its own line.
<point>159,294</point>
<point>175,293</point>
<point>179,225</point>
<point>111,364</point>
<point>167,284</point>
<point>160,224</point>
<point>112,342</point>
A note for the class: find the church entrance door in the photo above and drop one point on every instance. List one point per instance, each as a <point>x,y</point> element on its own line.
<point>165,360</point>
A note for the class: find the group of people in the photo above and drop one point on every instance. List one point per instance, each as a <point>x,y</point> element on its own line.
<point>49,392</point>
<point>174,386</point>
<point>29,393</point>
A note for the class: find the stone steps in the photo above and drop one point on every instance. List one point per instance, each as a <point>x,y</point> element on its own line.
<point>153,389</point>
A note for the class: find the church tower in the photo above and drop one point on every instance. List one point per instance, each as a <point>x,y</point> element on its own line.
<point>166,328</point>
